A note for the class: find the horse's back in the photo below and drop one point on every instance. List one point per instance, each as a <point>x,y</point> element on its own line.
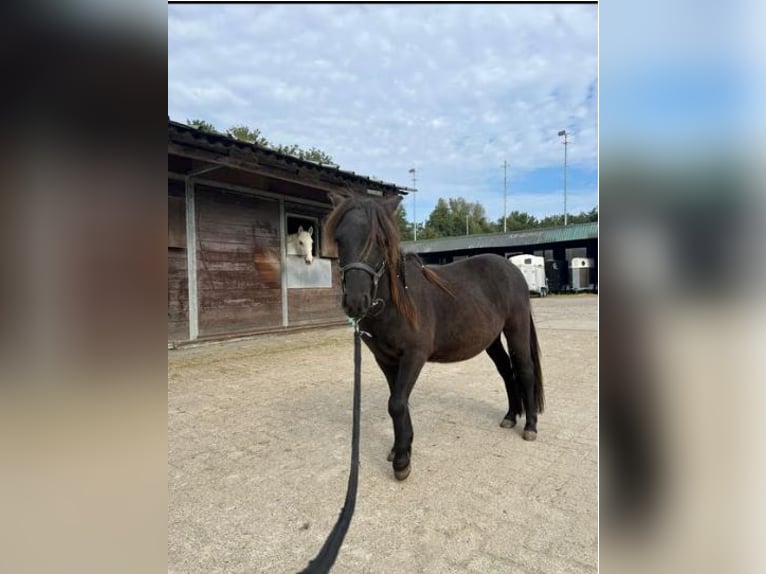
<point>487,292</point>
<point>488,270</point>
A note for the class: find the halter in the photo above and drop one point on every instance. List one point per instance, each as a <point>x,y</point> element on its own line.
<point>375,274</point>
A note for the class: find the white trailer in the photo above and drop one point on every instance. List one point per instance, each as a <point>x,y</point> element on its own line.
<point>533,269</point>
<point>581,273</point>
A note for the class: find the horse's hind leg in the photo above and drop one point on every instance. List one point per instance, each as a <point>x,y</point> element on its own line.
<point>502,361</point>
<point>524,370</point>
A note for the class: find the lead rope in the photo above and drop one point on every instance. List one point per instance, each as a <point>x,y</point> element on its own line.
<point>329,552</point>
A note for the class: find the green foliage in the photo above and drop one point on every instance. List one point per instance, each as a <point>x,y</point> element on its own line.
<point>448,219</point>
<point>202,125</point>
<point>312,154</point>
<point>582,217</point>
<point>405,227</point>
<point>517,220</point>
<point>245,134</point>
<point>254,136</point>
<point>552,221</point>
<point>456,216</point>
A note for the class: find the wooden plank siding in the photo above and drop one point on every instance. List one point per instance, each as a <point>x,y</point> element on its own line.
<point>239,269</point>
<point>178,295</point>
<point>178,282</point>
<point>238,262</point>
<point>316,306</point>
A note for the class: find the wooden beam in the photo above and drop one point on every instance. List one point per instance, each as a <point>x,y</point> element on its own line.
<point>254,192</point>
<point>283,263</point>
<point>191,260</point>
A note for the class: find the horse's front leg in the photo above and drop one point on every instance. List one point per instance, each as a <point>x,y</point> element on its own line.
<point>410,366</point>
<point>390,370</point>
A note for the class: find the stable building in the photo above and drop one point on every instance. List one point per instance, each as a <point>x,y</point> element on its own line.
<point>231,207</point>
<point>557,245</point>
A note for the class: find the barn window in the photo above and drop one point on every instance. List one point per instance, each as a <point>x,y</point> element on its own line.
<point>295,222</point>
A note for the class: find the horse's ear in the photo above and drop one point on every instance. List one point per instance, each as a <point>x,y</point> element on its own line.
<point>300,229</point>
<point>311,231</point>
<point>391,203</point>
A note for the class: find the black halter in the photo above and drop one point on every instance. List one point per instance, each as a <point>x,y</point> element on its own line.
<point>375,274</point>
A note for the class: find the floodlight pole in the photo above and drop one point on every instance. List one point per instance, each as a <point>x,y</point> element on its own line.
<point>564,133</point>
<point>505,196</point>
<point>414,212</point>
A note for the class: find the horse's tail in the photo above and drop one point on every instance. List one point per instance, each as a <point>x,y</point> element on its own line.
<point>534,348</point>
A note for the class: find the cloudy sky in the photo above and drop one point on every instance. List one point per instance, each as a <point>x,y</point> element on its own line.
<point>451,90</point>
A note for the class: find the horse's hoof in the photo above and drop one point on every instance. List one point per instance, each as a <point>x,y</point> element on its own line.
<point>402,474</point>
<point>390,457</point>
<point>507,423</point>
<point>529,435</point>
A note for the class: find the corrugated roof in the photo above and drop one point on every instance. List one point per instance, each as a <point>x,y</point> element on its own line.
<point>574,232</point>
<point>231,142</point>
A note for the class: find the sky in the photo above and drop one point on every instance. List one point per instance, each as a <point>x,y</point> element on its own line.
<point>452,91</point>
<point>686,85</point>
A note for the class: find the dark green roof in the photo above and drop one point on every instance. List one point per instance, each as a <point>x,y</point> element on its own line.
<point>526,237</point>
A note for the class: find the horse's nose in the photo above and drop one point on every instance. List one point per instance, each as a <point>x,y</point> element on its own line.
<point>356,306</point>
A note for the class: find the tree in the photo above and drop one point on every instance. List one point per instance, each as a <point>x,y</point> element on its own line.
<point>405,227</point>
<point>317,155</point>
<point>312,154</point>
<point>582,217</point>
<point>202,125</point>
<point>552,221</point>
<point>245,134</point>
<point>254,136</point>
<point>517,220</point>
<point>456,216</point>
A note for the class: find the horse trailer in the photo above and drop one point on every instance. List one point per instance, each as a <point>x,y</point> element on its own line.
<point>582,274</point>
<point>533,269</point>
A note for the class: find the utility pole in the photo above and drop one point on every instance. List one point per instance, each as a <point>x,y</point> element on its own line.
<point>466,224</point>
<point>505,196</point>
<point>564,133</point>
<point>414,213</point>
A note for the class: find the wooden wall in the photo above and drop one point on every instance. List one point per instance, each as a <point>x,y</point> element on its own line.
<point>238,262</point>
<point>178,283</point>
<point>239,270</point>
<point>309,306</point>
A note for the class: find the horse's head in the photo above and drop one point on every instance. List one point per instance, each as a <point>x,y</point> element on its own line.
<point>367,238</point>
<point>305,244</point>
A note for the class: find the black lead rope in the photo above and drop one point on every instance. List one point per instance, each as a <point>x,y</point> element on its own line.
<point>329,552</point>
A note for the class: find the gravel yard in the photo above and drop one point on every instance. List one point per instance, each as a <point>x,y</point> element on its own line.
<point>259,444</point>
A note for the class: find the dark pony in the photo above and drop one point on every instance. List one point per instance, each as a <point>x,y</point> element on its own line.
<point>414,313</point>
<point>384,237</point>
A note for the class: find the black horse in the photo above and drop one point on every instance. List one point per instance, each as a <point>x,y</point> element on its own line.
<point>447,313</point>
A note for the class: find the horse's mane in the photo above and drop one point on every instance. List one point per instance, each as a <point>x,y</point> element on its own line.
<point>384,234</point>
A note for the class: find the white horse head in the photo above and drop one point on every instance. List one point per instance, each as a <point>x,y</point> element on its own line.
<point>302,244</point>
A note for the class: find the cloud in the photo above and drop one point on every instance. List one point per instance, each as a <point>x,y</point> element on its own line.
<point>453,90</point>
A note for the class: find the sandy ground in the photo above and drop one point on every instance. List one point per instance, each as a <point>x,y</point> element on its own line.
<point>259,445</point>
